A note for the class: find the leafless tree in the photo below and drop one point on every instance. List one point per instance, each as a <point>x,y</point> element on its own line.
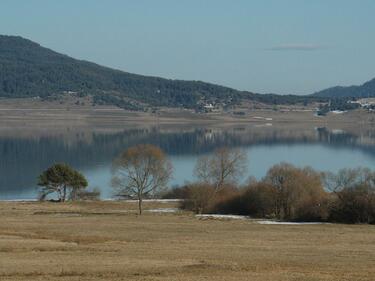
<point>224,166</point>
<point>297,190</point>
<point>140,172</point>
<point>355,193</point>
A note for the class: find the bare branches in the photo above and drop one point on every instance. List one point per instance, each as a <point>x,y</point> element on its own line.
<point>355,193</point>
<point>140,172</point>
<point>225,166</point>
<point>296,190</point>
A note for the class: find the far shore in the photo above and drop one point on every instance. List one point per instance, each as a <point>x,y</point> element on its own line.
<point>31,113</point>
<point>27,118</point>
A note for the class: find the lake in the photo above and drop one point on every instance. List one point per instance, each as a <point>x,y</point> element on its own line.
<point>23,156</point>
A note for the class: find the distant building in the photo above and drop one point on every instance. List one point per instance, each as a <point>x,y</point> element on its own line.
<point>69,92</point>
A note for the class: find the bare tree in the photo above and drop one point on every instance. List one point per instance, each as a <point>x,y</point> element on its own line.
<point>345,178</point>
<point>141,171</point>
<point>298,191</point>
<point>225,166</point>
<point>355,193</point>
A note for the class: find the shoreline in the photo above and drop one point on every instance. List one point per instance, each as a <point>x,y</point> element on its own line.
<point>64,123</point>
<point>29,112</point>
<point>113,116</point>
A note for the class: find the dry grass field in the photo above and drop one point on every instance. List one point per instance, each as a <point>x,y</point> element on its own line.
<point>109,241</point>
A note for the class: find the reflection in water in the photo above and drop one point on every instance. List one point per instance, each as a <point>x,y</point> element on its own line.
<point>22,159</point>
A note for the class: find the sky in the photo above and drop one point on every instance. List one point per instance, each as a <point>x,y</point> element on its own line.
<point>264,46</point>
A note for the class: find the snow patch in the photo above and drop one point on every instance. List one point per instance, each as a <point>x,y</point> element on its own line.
<point>337,131</point>
<point>263,118</point>
<point>287,223</point>
<point>19,200</point>
<point>145,200</point>
<point>232,217</point>
<point>263,125</point>
<point>163,210</point>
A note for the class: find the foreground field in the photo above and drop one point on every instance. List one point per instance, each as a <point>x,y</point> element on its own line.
<point>108,241</point>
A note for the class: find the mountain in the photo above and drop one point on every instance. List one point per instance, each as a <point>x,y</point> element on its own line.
<point>365,90</point>
<point>30,70</point>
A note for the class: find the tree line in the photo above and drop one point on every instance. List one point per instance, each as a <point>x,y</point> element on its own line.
<point>286,192</point>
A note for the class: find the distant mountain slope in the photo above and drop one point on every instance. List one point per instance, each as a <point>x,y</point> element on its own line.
<point>365,90</point>
<point>30,70</point>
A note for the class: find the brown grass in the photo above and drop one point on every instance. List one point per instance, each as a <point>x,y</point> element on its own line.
<point>109,241</point>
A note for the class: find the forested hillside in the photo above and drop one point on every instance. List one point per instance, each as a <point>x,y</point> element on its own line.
<point>30,70</point>
<point>363,91</point>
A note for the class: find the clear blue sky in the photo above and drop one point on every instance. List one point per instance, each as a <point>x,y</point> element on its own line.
<point>281,46</point>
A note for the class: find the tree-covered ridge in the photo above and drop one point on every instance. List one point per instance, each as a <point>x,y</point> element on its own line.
<point>363,91</point>
<point>30,70</point>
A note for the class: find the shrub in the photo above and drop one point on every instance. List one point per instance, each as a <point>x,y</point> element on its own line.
<point>286,193</point>
<point>354,195</point>
<point>199,198</point>
<point>257,200</point>
<point>299,192</point>
<point>353,205</point>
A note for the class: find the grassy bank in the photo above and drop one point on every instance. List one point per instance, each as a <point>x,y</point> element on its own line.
<point>108,241</point>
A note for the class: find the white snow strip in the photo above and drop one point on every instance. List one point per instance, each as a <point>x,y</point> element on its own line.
<point>232,217</point>
<point>162,200</point>
<point>263,118</point>
<point>263,125</point>
<point>18,200</point>
<point>337,131</point>
<point>288,223</point>
<point>145,200</point>
<point>163,210</point>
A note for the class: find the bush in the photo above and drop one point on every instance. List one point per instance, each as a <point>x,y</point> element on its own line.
<point>286,193</point>
<point>353,205</point>
<point>228,193</point>
<point>199,198</point>
<point>353,195</point>
<point>299,192</point>
<point>204,198</point>
<point>256,200</point>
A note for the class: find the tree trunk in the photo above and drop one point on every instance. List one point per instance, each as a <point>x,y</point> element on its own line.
<point>140,205</point>
<point>60,190</point>
<point>64,194</point>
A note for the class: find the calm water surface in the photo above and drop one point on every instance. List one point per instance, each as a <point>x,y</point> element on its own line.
<point>23,158</point>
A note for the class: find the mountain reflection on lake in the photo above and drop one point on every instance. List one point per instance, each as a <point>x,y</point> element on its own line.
<point>24,157</point>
